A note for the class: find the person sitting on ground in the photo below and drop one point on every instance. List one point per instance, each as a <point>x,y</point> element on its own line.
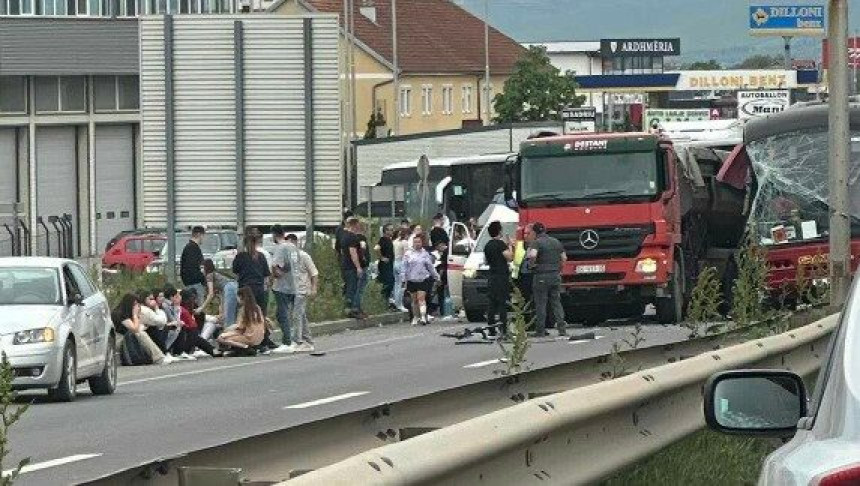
<point>153,319</point>
<point>171,307</point>
<point>190,338</point>
<point>224,288</point>
<point>249,330</point>
<point>137,347</point>
<point>419,273</point>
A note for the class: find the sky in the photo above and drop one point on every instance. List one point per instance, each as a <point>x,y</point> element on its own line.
<point>706,27</point>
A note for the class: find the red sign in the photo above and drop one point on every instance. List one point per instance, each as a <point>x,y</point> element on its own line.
<point>853,53</point>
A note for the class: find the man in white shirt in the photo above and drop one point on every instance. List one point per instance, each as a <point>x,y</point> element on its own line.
<point>306,283</point>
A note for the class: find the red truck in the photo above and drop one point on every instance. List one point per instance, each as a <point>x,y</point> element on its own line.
<point>636,215</point>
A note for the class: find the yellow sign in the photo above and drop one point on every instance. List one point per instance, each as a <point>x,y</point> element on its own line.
<point>736,80</point>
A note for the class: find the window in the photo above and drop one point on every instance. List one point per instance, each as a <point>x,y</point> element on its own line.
<point>83,281</point>
<point>487,97</point>
<point>466,99</point>
<point>447,100</point>
<point>17,7</point>
<point>134,246</point>
<point>13,94</point>
<point>405,101</point>
<point>116,93</point>
<point>61,94</point>
<point>426,99</point>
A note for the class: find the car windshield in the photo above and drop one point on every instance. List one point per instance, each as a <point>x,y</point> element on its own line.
<point>210,246</point>
<point>29,286</point>
<point>508,230</point>
<point>631,175</point>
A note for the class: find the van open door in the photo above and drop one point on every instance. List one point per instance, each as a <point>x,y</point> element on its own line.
<point>461,247</point>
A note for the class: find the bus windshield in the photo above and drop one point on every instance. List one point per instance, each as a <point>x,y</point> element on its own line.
<point>607,176</point>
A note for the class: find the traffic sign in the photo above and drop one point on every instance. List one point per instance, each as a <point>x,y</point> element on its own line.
<point>787,20</point>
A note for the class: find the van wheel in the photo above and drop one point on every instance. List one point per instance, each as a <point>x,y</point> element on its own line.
<point>670,310</point>
<point>66,389</point>
<point>105,382</point>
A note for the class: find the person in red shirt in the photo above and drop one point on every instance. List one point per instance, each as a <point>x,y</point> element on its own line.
<point>190,338</point>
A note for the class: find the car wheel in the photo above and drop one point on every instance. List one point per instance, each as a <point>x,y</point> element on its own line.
<point>66,389</point>
<point>105,382</point>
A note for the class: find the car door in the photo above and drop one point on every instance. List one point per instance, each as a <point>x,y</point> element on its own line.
<point>135,254</point>
<point>456,260</point>
<point>77,318</point>
<point>86,336</point>
<point>97,313</point>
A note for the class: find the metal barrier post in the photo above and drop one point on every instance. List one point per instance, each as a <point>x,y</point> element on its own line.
<point>25,249</point>
<point>41,222</point>
<point>70,242</point>
<point>16,237</point>
<point>11,238</point>
<point>61,236</point>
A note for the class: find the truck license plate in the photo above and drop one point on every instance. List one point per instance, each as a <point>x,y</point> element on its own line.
<point>581,269</point>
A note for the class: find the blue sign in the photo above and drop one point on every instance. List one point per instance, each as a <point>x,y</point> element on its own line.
<point>787,20</point>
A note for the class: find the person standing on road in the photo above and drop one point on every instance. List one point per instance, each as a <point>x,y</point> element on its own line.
<point>284,287</point>
<point>306,285</point>
<point>440,242</point>
<point>252,270</point>
<point>339,234</point>
<point>191,264</point>
<point>401,246</point>
<point>498,256</point>
<point>525,273</point>
<point>548,256</point>
<point>419,273</point>
<point>385,247</point>
<point>354,263</point>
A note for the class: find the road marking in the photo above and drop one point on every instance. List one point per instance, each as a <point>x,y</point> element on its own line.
<point>481,364</point>
<point>260,362</point>
<point>323,401</point>
<point>54,463</point>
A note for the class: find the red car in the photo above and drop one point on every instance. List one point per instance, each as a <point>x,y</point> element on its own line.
<point>133,252</point>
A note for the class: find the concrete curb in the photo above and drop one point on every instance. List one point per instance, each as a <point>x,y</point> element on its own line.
<point>343,325</point>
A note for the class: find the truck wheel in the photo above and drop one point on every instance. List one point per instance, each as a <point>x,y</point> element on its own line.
<point>670,310</point>
<point>475,316</point>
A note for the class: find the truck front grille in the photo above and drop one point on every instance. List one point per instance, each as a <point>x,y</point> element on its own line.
<point>612,241</point>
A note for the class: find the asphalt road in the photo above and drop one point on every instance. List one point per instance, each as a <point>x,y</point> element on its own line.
<point>162,411</point>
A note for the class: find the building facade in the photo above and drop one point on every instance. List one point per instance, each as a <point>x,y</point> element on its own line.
<point>441,61</point>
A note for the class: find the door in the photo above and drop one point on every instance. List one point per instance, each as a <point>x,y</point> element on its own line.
<point>96,315</point>
<point>8,186</point>
<point>56,184</point>
<point>114,181</point>
<point>80,321</point>
<point>461,246</point>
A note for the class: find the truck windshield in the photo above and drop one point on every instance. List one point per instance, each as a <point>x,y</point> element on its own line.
<point>631,175</point>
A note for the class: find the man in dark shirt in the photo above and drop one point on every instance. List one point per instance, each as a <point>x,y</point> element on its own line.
<point>385,247</point>
<point>440,242</point>
<point>498,255</point>
<point>339,233</point>
<point>191,264</point>
<point>354,262</point>
<point>547,255</point>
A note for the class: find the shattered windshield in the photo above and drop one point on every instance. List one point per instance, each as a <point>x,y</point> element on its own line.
<point>791,169</point>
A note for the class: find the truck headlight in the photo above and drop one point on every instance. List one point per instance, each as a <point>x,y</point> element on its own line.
<point>34,336</point>
<point>646,265</point>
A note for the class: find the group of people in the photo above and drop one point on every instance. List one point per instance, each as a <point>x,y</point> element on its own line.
<point>538,279</point>
<point>411,267</point>
<point>166,325</point>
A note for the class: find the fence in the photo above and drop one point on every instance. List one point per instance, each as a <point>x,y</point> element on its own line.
<point>55,236</point>
<point>15,236</point>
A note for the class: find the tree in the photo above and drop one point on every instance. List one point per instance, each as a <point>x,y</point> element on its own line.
<point>536,90</point>
<point>709,65</point>
<point>761,61</point>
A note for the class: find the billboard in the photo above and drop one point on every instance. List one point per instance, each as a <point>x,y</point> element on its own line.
<point>737,79</point>
<point>610,48</point>
<point>661,115</point>
<point>752,104</point>
<point>582,119</point>
<point>853,53</point>
<point>787,20</point>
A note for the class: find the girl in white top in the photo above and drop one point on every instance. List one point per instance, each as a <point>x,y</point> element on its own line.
<point>401,246</point>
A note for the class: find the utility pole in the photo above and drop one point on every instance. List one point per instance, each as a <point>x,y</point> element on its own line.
<point>838,144</point>
<point>787,47</point>
<point>487,61</point>
<point>396,67</point>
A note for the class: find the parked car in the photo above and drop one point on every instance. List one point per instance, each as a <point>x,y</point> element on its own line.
<point>55,327</point>
<point>219,245</point>
<point>134,232</point>
<point>825,448</point>
<point>133,252</point>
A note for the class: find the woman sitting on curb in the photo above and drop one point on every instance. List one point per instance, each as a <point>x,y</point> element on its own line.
<point>250,328</point>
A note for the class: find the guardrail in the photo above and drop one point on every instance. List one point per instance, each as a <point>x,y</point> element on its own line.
<point>290,452</point>
<point>578,436</point>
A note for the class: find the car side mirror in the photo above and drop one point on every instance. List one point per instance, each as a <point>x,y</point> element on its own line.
<point>77,299</point>
<point>764,403</point>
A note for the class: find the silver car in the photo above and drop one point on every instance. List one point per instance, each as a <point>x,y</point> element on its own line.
<point>825,443</point>
<point>55,327</point>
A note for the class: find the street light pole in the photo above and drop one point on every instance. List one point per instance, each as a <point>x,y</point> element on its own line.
<point>487,61</point>
<point>396,67</point>
<point>787,48</point>
<point>838,144</point>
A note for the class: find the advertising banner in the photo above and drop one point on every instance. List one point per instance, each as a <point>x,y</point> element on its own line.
<point>753,104</point>
<point>737,79</point>
<point>582,119</point>
<point>661,115</point>
<point>787,20</point>
<point>640,47</point>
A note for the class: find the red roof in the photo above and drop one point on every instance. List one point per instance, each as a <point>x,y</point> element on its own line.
<point>433,36</point>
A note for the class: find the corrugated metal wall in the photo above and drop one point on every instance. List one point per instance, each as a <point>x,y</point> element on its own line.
<point>41,46</point>
<point>204,85</point>
<point>372,156</point>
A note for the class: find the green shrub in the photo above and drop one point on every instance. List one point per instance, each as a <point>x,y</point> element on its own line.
<point>9,414</point>
<point>749,290</point>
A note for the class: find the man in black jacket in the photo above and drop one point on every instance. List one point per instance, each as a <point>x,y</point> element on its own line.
<point>339,234</point>
<point>191,264</point>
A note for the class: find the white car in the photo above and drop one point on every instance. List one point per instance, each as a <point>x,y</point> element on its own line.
<point>825,448</point>
<point>55,327</point>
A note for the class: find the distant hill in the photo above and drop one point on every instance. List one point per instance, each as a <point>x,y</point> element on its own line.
<point>709,29</point>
